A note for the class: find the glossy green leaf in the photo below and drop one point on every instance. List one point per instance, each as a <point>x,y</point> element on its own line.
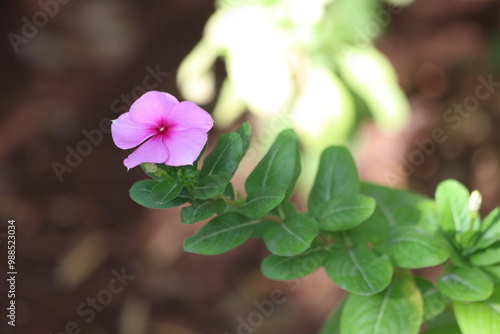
<point>140,193</point>
<point>434,302</point>
<point>337,176</point>
<point>210,186</point>
<point>292,267</point>
<point>478,318</point>
<point>452,199</point>
<point>261,201</point>
<point>466,284</point>
<point>291,237</point>
<point>221,234</point>
<point>411,247</point>
<point>245,133</point>
<point>165,191</point>
<point>396,310</point>
<point>342,213</point>
<point>359,270</point>
<point>225,157</point>
<point>201,210</point>
<point>486,257</point>
<point>279,168</point>
<point>490,230</point>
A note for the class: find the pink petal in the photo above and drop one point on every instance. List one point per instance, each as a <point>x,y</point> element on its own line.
<point>127,133</point>
<point>184,146</point>
<point>187,115</point>
<point>152,107</point>
<point>153,151</point>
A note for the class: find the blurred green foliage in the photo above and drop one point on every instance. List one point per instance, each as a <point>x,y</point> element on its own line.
<point>312,64</point>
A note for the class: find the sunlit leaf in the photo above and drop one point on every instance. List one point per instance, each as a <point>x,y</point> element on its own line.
<point>412,247</point>
<point>466,284</point>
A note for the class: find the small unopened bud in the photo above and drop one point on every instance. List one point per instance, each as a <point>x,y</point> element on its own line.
<point>150,168</point>
<point>475,201</point>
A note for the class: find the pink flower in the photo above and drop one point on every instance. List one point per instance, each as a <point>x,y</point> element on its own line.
<point>167,131</point>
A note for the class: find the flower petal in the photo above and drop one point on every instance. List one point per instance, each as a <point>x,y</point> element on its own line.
<point>152,151</point>
<point>152,107</point>
<point>184,146</point>
<point>187,115</point>
<point>127,133</point>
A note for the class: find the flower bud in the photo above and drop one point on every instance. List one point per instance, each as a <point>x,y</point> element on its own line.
<point>475,201</point>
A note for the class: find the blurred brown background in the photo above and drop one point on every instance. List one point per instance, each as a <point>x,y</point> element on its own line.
<point>77,232</point>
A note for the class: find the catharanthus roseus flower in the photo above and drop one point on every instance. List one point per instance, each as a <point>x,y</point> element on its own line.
<point>168,131</point>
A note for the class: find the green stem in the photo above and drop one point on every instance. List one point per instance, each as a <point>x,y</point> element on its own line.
<point>272,218</point>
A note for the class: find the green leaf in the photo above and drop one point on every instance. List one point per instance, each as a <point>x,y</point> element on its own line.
<point>292,267</point>
<point>452,200</point>
<point>411,247</point>
<point>402,207</point>
<point>261,201</point>
<point>332,324</point>
<point>466,284</point>
<point>490,230</point>
<point>260,229</point>
<point>494,272</point>
<point>225,157</point>
<point>245,133</point>
<point>291,237</point>
<point>201,210</point>
<point>394,208</point>
<point>210,186</point>
<point>448,329</point>
<point>443,323</point>
<point>140,193</point>
<point>289,209</point>
<point>478,318</point>
<point>434,302</point>
<point>359,270</point>
<point>487,257</point>
<point>221,234</point>
<point>337,177</point>
<point>398,309</point>
<point>165,191</point>
<point>229,191</point>
<point>344,213</point>
<point>279,168</point>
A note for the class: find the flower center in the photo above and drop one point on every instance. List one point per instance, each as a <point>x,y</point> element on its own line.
<point>162,129</point>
